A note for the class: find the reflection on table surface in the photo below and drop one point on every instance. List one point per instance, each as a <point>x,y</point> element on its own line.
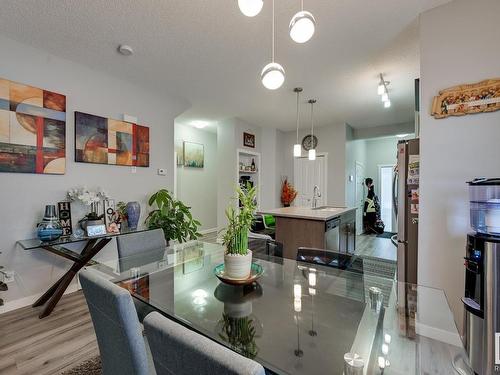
<point>298,317</point>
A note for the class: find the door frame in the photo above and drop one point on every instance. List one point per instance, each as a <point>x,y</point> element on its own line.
<point>360,224</point>
<point>324,192</point>
<point>379,187</point>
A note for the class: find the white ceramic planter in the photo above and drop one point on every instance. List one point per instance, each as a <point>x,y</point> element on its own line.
<point>238,266</point>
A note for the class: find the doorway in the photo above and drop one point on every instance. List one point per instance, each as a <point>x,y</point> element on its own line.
<point>308,173</point>
<point>359,178</point>
<point>385,178</point>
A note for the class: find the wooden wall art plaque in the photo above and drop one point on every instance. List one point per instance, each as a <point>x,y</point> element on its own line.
<point>465,99</point>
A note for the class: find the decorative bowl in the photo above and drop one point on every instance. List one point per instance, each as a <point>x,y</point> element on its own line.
<point>256,271</point>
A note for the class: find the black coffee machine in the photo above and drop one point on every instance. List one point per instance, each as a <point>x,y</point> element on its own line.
<point>482,278</point>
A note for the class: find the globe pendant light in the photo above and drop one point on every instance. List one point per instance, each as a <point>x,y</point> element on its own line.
<point>273,74</point>
<point>302,25</point>
<point>312,151</point>
<point>250,8</point>
<point>297,150</point>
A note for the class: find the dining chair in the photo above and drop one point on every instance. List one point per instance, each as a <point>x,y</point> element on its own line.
<point>132,246</point>
<point>119,334</point>
<point>178,350</point>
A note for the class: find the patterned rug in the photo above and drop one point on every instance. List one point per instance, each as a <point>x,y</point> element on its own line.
<point>90,367</point>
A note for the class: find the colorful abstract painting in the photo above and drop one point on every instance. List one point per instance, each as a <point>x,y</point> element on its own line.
<point>102,140</point>
<point>32,129</point>
<point>194,155</point>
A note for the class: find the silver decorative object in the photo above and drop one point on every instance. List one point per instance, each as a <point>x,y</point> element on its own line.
<point>353,364</point>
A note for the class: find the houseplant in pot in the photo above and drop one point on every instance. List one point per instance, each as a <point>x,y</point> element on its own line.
<point>238,258</point>
<point>173,216</point>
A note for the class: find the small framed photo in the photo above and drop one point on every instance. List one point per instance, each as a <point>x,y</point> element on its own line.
<point>96,230</point>
<point>249,140</point>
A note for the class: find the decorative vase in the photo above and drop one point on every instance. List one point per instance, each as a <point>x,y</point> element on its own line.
<point>237,266</point>
<point>133,214</point>
<point>50,228</point>
<point>286,204</point>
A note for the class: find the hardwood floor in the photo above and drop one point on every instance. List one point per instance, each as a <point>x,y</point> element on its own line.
<point>29,345</point>
<point>376,247</point>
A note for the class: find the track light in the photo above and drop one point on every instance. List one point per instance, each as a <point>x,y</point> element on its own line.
<point>382,90</point>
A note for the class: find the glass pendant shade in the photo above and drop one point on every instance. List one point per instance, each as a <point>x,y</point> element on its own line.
<point>273,76</point>
<point>387,104</point>
<point>312,154</point>
<point>385,97</point>
<point>250,8</point>
<point>302,26</point>
<point>297,150</point>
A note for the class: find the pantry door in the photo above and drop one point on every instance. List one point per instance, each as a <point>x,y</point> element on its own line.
<point>308,173</point>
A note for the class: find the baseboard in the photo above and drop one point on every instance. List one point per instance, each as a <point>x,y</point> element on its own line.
<point>29,300</point>
<point>206,231</point>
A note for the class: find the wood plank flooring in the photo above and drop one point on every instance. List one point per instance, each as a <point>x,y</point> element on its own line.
<point>29,345</point>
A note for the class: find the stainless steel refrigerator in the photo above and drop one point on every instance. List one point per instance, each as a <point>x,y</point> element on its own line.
<point>407,204</point>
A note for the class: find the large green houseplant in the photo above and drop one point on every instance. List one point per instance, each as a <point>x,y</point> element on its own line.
<point>238,258</point>
<point>173,216</point>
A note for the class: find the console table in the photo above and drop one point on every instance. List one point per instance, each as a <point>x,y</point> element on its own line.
<point>92,246</point>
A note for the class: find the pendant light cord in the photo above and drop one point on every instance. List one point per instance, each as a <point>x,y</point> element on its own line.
<point>312,122</point>
<point>297,116</point>
<point>302,5</point>
<point>273,35</point>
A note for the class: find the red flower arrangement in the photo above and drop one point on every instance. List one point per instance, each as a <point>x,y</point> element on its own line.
<point>288,193</point>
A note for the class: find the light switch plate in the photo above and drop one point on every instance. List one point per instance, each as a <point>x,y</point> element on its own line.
<point>133,169</point>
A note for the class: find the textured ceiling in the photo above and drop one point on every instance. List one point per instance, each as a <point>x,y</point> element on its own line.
<point>207,52</point>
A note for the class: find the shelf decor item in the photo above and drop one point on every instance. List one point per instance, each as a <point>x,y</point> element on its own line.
<point>101,140</point>
<point>64,209</point>
<point>238,258</point>
<point>466,99</point>
<point>173,216</point>
<point>92,199</point>
<point>194,155</point>
<point>249,140</point>
<point>32,129</point>
<point>288,193</point>
<point>49,229</point>
<point>133,214</point>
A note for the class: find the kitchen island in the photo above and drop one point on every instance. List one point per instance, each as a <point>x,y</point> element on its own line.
<point>332,228</point>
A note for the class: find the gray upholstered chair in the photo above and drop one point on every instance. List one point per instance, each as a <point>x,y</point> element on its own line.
<point>119,333</point>
<point>140,247</point>
<point>178,350</point>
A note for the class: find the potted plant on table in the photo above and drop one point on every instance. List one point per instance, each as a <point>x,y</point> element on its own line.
<point>238,258</point>
<point>173,216</point>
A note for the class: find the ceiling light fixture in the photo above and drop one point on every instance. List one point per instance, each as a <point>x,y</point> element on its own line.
<point>200,124</point>
<point>250,8</point>
<point>312,150</point>
<point>273,74</point>
<point>297,149</point>
<point>302,25</point>
<point>382,90</point>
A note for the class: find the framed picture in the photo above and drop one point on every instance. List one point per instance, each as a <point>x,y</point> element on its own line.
<point>194,155</point>
<point>249,140</point>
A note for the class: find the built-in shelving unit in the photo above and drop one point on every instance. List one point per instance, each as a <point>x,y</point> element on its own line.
<point>245,171</point>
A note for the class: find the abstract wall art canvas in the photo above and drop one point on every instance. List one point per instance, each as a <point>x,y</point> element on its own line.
<point>194,155</point>
<point>101,140</point>
<point>32,129</point>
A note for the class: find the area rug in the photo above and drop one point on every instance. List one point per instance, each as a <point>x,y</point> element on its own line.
<point>386,235</point>
<point>89,367</point>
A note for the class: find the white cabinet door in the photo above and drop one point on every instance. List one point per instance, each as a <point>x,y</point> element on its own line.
<point>308,173</point>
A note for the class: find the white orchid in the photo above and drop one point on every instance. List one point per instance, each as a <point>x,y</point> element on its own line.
<point>87,196</point>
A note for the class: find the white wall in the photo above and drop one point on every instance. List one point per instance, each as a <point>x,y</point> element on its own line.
<point>331,140</point>
<point>456,149</point>
<point>380,151</point>
<point>197,187</point>
<point>23,196</point>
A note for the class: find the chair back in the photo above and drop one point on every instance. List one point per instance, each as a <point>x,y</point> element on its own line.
<point>178,350</point>
<point>330,258</point>
<point>136,249</point>
<point>116,325</point>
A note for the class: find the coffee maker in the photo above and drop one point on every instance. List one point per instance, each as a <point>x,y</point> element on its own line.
<point>482,278</point>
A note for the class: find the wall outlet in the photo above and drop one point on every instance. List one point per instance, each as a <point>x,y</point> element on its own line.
<point>162,172</point>
<point>133,169</point>
<point>8,276</point>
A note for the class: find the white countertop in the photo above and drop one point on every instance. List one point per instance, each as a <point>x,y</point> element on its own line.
<point>321,214</point>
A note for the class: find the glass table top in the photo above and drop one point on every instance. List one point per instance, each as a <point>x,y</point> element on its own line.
<point>35,243</point>
<point>299,318</point>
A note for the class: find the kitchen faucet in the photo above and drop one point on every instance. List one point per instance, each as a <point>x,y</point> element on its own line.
<point>316,195</point>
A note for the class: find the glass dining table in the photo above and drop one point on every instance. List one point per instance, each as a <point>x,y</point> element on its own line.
<point>299,318</point>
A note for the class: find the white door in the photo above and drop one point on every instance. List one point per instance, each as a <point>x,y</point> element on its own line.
<point>360,196</point>
<point>385,176</point>
<point>308,173</point>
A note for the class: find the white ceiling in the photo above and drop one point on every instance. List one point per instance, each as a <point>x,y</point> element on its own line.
<point>207,52</point>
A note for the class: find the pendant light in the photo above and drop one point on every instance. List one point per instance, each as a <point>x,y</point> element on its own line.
<point>273,74</point>
<point>302,25</point>
<point>250,8</point>
<point>297,149</point>
<point>312,150</point>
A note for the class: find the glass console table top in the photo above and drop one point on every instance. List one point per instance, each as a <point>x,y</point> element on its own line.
<point>298,318</point>
<point>35,243</point>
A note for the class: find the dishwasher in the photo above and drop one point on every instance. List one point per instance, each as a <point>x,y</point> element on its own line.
<point>332,234</point>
